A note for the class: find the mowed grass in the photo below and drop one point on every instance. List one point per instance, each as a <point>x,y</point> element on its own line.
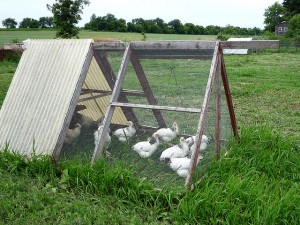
<point>265,90</point>
<point>9,36</point>
<point>258,182</point>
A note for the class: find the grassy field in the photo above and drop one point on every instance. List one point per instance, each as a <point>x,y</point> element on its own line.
<point>9,36</point>
<point>258,182</point>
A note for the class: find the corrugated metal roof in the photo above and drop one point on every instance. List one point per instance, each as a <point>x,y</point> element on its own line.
<point>39,97</point>
<point>237,51</point>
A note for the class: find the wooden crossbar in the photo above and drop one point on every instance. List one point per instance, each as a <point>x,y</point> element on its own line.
<point>186,45</point>
<point>168,108</point>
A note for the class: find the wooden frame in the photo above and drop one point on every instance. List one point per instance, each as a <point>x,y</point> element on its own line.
<point>175,50</point>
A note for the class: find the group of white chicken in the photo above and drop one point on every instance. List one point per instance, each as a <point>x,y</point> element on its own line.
<point>178,156</point>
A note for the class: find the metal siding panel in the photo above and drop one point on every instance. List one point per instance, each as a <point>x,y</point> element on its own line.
<point>39,96</point>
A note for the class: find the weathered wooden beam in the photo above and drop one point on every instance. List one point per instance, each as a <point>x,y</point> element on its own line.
<point>254,44</point>
<point>174,54</point>
<point>218,109</point>
<point>85,91</point>
<point>110,77</point>
<point>228,96</point>
<point>203,116</point>
<point>109,46</point>
<point>146,88</point>
<point>93,97</point>
<point>154,56</point>
<point>111,108</point>
<point>133,93</point>
<point>168,108</point>
<point>123,92</point>
<point>186,45</point>
<point>173,45</point>
<point>143,45</point>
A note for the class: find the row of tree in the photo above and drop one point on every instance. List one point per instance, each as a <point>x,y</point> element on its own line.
<point>43,22</point>
<point>158,25</point>
<point>139,25</point>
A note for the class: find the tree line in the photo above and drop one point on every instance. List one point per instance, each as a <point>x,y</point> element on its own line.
<point>159,26</point>
<point>43,22</point>
<point>138,25</point>
<point>66,14</point>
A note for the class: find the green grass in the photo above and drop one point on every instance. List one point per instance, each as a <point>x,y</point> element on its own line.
<point>9,36</point>
<point>265,90</point>
<point>74,193</point>
<point>258,182</point>
<point>7,69</point>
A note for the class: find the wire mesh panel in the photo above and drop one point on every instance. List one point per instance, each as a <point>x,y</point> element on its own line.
<point>150,113</point>
<point>92,105</point>
<point>217,127</point>
<point>161,92</point>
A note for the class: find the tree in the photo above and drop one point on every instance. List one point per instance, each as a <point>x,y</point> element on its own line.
<point>138,25</point>
<point>9,23</point>
<point>274,14</point>
<point>45,22</point>
<point>255,31</point>
<point>95,24</point>
<point>212,30</point>
<point>294,27</point>
<point>162,27</point>
<point>176,26</point>
<point>189,28</point>
<point>66,14</point>
<point>292,7</point>
<point>231,30</point>
<point>121,27</point>
<point>29,23</point>
<point>111,22</point>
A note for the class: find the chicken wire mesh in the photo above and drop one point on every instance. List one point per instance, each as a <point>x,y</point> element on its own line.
<point>179,83</point>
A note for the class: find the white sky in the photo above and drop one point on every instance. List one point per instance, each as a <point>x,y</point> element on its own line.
<point>240,13</point>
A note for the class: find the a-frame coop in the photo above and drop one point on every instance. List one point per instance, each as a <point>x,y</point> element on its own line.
<point>59,83</point>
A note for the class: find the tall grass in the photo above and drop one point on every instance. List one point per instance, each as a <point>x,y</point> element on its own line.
<point>257,182</point>
<point>41,184</point>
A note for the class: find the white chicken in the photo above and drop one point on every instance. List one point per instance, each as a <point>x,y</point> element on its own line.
<point>107,138</point>
<point>177,151</point>
<point>73,134</point>
<point>181,165</point>
<point>123,134</point>
<point>192,143</point>
<point>146,148</point>
<point>168,134</point>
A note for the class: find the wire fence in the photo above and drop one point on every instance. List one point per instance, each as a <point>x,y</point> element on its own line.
<point>174,83</point>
